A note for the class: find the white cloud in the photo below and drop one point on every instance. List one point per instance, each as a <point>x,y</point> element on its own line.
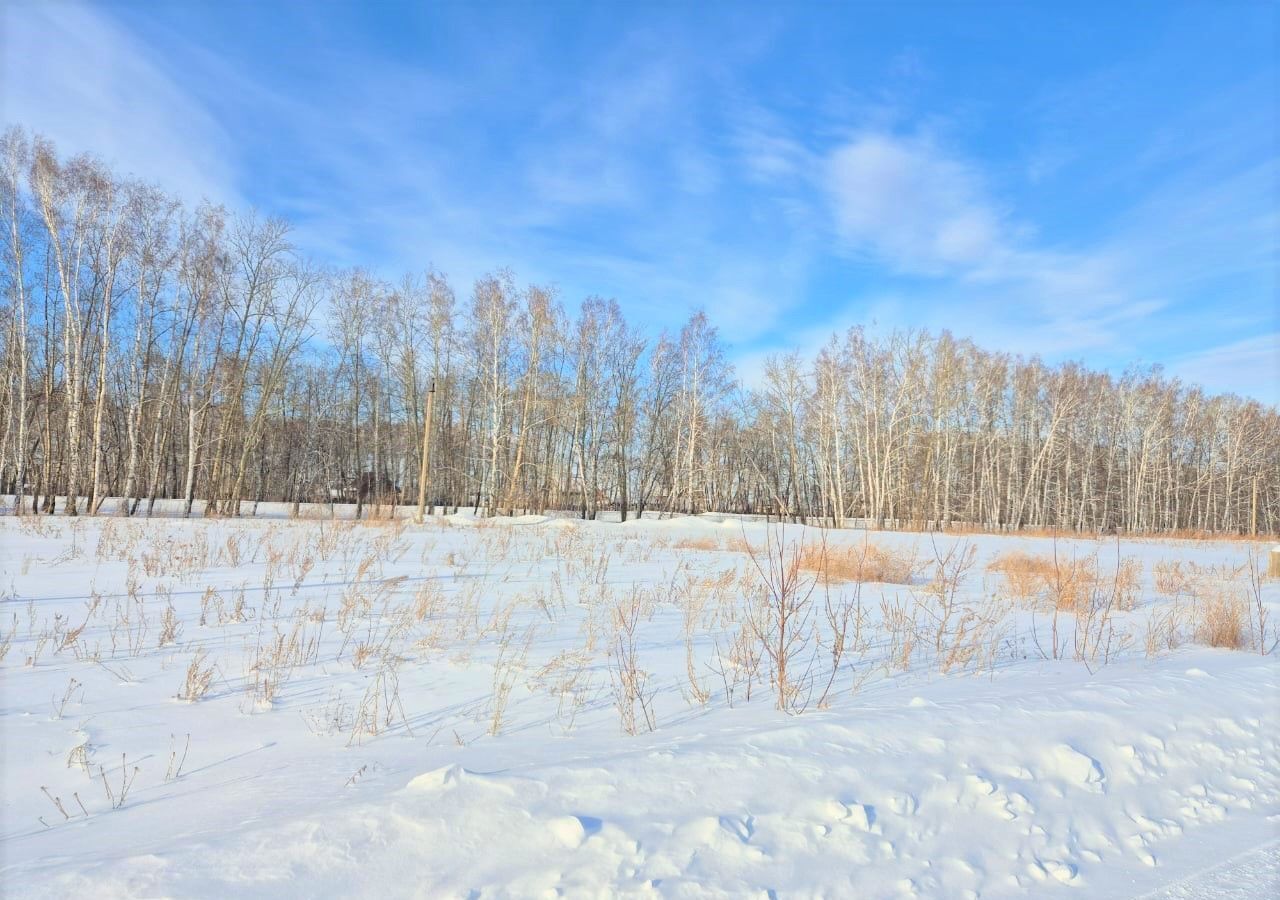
<point>72,74</point>
<point>909,205</point>
<point>617,187</point>
<point>912,206</point>
<point>770,157</point>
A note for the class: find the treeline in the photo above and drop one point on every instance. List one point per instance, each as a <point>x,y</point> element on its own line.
<point>152,351</point>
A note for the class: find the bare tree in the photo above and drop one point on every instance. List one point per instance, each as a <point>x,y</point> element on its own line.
<point>151,350</point>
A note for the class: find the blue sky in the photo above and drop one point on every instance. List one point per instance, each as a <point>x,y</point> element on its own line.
<point>1091,181</point>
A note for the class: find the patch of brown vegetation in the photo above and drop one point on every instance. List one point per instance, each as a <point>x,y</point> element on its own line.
<point>1220,618</point>
<point>1067,584</point>
<point>866,563</point>
<point>705,543</point>
<point>1025,575</point>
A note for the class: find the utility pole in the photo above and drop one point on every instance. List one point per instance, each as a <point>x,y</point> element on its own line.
<point>426,453</point>
<point>1253,509</point>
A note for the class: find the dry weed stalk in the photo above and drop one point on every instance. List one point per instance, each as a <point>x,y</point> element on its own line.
<point>79,758</point>
<point>118,798</point>
<point>57,802</point>
<point>176,762</point>
<point>62,636</point>
<point>898,618</point>
<point>507,669</point>
<point>6,639</point>
<point>274,660</point>
<point>631,691</point>
<point>739,667</point>
<point>1033,580</point>
<point>170,625</point>
<point>700,544</point>
<point>129,623</point>
<point>1128,581</point>
<point>60,705</point>
<point>693,606</point>
<point>333,717</point>
<point>1221,606</point>
<point>1171,579</point>
<point>207,602</point>
<point>845,635</point>
<point>566,677</point>
<point>1091,597</point>
<point>1095,633</point>
<point>428,600</point>
<point>41,641</point>
<point>199,678</point>
<point>1163,628</point>
<point>381,702</point>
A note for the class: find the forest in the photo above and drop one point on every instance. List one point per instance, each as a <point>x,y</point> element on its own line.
<point>151,349</point>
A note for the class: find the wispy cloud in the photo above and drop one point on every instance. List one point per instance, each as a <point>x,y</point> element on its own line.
<point>975,266</point>
<point>76,76</point>
<point>1250,366</point>
<point>913,207</point>
<point>675,168</point>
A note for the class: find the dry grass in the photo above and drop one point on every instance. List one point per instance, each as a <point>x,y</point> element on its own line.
<point>704,543</point>
<point>968,529</point>
<point>1221,619</point>
<point>1072,585</point>
<point>1212,602</point>
<point>734,544</point>
<point>867,563</point>
<point>1128,583</point>
<point>1025,575</point>
<point>1190,534</point>
<point>198,680</point>
<point>1171,579</point>
<point>1068,585</point>
<point>1179,534</point>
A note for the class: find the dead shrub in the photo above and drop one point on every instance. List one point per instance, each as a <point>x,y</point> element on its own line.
<point>1258,614</point>
<point>963,635</point>
<point>1220,619</point>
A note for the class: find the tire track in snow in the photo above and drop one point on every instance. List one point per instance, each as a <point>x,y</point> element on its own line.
<point>1251,875</point>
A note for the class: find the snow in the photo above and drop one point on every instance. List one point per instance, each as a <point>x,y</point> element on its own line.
<point>1150,775</point>
<point>1249,874</point>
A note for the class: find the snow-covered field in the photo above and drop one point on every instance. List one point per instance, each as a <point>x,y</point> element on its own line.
<point>530,707</point>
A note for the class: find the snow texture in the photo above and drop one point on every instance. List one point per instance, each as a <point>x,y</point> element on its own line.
<point>1147,777</point>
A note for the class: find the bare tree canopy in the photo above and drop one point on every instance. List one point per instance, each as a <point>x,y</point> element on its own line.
<point>151,351</point>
